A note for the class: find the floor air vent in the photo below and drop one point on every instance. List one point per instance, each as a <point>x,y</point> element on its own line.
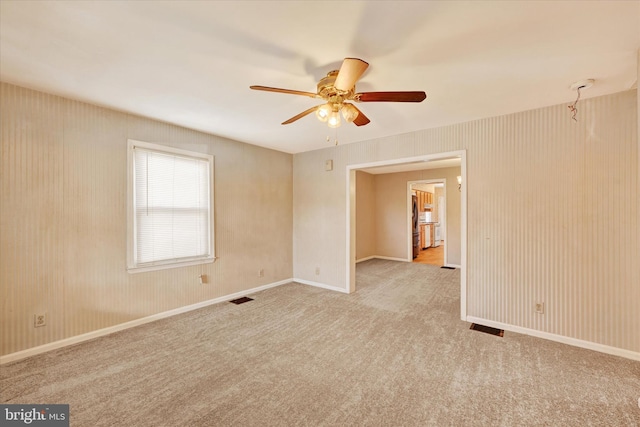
<point>487,330</point>
<point>241,300</point>
<point>448,268</point>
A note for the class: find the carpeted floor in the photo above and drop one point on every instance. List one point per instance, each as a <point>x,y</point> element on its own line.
<point>392,354</point>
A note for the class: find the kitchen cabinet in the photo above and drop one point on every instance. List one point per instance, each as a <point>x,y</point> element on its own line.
<point>424,198</point>
<point>426,236</point>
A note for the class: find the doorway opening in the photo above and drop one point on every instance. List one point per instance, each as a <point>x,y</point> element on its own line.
<point>417,163</point>
<point>429,197</point>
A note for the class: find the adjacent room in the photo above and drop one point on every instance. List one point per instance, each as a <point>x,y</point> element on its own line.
<point>320,213</point>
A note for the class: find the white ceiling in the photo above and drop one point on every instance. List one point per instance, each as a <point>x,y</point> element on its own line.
<point>191,62</point>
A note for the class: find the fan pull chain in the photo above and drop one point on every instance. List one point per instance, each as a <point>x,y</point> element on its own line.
<point>335,138</point>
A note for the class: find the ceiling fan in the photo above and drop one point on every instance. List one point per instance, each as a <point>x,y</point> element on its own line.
<point>338,87</point>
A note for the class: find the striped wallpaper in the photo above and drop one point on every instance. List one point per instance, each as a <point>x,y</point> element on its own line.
<point>63,188</point>
<point>552,215</point>
<point>552,210</point>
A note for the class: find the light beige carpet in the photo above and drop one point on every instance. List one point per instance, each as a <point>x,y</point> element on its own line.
<point>392,354</point>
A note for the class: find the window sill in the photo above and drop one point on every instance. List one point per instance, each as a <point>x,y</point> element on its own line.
<point>166,265</point>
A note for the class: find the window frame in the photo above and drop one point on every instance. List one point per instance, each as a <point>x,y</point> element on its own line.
<point>132,267</point>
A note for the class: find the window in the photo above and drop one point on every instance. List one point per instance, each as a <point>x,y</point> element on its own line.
<point>170,207</point>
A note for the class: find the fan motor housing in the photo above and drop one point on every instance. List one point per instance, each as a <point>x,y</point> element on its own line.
<point>327,90</point>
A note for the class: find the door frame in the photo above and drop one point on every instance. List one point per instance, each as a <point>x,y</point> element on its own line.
<point>409,213</point>
<point>351,217</point>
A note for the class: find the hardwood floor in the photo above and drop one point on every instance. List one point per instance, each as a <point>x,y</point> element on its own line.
<point>433,256</point>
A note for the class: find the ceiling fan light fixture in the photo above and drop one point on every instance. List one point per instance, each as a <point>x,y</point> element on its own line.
<point>340,86</point>
<point>323,112</point>
<point>349,112</point>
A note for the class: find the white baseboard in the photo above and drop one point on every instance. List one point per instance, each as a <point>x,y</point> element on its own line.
<point>389,258</point>
<point>398,259</point>
<point>12,357</point>
<point>320,285</point>
<point>558,338</point>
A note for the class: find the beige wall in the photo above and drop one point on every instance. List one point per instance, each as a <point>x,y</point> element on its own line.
<point>439,191</point>
<point>539,229</point>
<point>63,224</point>
<point>365,215</point>
<point>391,209</point>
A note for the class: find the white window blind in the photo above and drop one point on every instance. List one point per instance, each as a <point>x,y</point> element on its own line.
<point>171,206</point>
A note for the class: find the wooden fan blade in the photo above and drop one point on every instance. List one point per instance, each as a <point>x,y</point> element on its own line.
<point>390,97</point>
<point>292,92</point>
<point>350,72</point>
<point>361,120</point>
<point>301,115</point>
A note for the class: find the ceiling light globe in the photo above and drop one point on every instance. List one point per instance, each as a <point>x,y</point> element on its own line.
<point>334,119</point>
<point>323,112</point>
<point>349,112</point>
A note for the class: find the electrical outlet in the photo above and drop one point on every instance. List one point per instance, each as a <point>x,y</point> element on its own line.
<point>261,272</point>
<point>317,271</point>
<point>39,320</point>
<point>540,308</point>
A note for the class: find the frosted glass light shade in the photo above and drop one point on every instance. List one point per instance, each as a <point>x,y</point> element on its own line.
<point>349,112</point>
<point>334,119</point>
<point>323,112</point>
